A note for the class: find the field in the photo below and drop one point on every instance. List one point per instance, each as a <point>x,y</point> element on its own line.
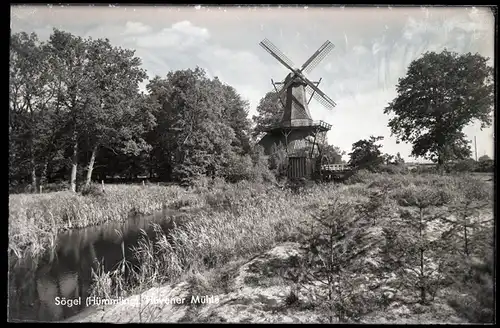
<point>235,222</point>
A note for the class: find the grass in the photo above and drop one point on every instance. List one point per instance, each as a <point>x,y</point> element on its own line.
<point>245,218</point>
<point>35,219</point>
<point>233,222</point>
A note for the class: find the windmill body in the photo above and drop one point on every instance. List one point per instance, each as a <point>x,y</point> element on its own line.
<point>297,132</point>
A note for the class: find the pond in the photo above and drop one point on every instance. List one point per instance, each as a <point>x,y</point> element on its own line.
<point>37,286</point>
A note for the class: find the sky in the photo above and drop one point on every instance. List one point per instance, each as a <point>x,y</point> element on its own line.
<point>373,48</point>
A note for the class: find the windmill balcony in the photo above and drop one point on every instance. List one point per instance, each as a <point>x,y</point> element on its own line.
<point>322,125</point>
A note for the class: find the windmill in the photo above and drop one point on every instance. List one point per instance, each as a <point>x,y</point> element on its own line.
<point>296,127</point>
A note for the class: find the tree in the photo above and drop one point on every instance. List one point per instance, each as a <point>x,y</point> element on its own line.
<point>485,164</point>
<point>333,153</point>
<point>410,251</point>
<point>470,198</point>
<point>161,156</point>
<point>338,242</point>
<point>114,116</point>
<point>235,113</point>
<point>484,158</point>
<point>393,160</point>
<point>69,54</point>
<point>440,95</point>
<point>193,132</point>
<point>30,78</point>
<point>269,112</point>
<point>366,154</point>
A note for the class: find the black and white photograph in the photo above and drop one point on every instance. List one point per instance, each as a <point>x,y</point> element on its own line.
<point>328,164</point>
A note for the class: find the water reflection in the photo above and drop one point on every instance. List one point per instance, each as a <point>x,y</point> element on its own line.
<point>66,271</point>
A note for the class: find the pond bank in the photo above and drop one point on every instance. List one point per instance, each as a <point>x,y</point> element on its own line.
<point>38,287</point>
<point>36,219</point>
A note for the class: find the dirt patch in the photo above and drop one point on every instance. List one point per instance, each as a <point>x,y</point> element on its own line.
<point>257,291</point>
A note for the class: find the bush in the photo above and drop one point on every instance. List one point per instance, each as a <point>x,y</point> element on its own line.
<point>250,168</point>
<point>466,165</point>
<point>93,189</point>
<point>487,165</point>
<point>361,176</point>
<point>393,169</point>
<point>239,168</point>
<point>424,169</point>
<point>477,304</point>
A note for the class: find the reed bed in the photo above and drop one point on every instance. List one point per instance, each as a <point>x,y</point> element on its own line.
<point>36,219</point>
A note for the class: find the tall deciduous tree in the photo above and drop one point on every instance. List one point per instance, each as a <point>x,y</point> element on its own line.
<point>235,112</point>
<point>192,128</point>
<point>31,99</point>
<point>70,56</point>
<point>440,95</point>
<point>111,118</point>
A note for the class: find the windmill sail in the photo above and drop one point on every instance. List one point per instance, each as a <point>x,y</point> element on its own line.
<point>294,93</point>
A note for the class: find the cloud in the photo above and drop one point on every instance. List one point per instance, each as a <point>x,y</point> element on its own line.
<point>360,74</point>
<point>136,28</point>
<point>181,36</point>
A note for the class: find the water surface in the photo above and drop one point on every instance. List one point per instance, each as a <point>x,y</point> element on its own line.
<point>37,285</point>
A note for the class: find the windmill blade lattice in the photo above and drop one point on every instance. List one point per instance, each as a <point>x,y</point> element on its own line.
<point>268,46</point>
<point>321,98</point>
<point>318,57</point>
<point>278,52</point>
<point>297,75</point>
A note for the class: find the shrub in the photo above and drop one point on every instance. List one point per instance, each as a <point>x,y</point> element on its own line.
<point>94,190</point>
<point>337,240</point>
<point>239,168</point>
<point>477,303</point>
<point>485,165</point>
<point>393,169</point>
<point>250,168</point>
<point>466,165</point>
<point>360,176</point>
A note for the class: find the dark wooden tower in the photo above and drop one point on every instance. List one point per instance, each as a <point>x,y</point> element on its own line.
<point>297,131</point>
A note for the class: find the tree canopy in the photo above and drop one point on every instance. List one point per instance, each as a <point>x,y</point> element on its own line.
<point>76,113</point>
<point>440,95</point>
<point>366,154</point>
<point>269,112</point>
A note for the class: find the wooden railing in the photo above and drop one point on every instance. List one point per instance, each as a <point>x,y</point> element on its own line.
<point>335,167</point>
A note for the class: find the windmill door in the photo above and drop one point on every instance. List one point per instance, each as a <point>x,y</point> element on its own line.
<point>299,167</point>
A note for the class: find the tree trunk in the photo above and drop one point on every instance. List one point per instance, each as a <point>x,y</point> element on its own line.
<point>74,164</point>
<point>151,166</point>
<point>91,166</point>
<point>43,176</point>
<point>423,295</point>
<point>466,246</point>
<point>440,166</point>
<point>33,175</point>
<point>422,272</point>
<point>32,168</point>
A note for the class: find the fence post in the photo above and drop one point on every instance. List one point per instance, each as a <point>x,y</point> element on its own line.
<point>143,183</point>
<point>102,183</point>
<point>41,189</point>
